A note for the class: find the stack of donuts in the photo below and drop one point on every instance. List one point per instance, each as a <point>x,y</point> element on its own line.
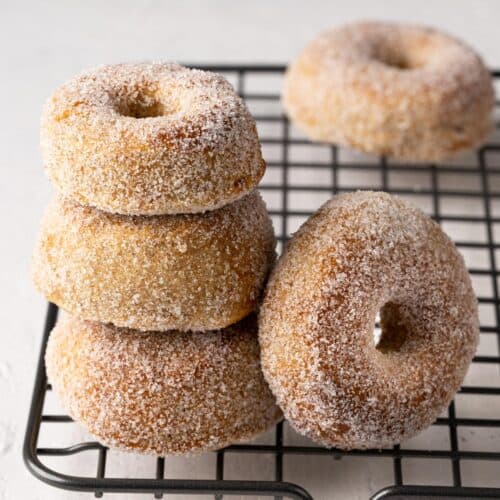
<point>157,246</point>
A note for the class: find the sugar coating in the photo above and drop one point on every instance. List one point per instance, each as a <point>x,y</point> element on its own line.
<point>360,252</point>
<point>150,139</point>
<point>186,272</point>
<point>148,392</point>
<point>400,90</point>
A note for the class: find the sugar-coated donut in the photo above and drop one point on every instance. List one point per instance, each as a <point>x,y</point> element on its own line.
<point>180,393</point>
<point>362,253</point>
<point>185,272</point>
<point>404,91</point>
<point>150,139</point>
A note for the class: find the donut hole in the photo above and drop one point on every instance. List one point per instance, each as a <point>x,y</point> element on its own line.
<point>398,61</point>
<point>144,110</point>
<point>390,332</point>
<point>148,105</point>
<point>397,58</point>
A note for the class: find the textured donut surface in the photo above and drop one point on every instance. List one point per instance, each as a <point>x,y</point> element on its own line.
<point>150,139</point>
<point>404,91</point>
<point>180,393</point>
<point>362,253</point>
<point>186,272</point>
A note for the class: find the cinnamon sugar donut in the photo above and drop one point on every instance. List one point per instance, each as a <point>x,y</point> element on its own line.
<point>362,253</point>
<point>404,91</point>
<point>184,272</point>
<point>150,139</point>
<point>161,394</point>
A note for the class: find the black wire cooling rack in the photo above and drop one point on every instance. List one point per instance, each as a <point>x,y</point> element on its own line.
<point>464,196</point>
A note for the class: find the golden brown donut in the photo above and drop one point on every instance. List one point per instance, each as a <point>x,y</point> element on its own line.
<point>150,139</point>
<point>180,393</point>
<point>184,272</point>
<point>400,90</point>
<point>362,253</point>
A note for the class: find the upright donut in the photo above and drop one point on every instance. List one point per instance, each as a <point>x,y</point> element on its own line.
<point>182,272</point>
<point>160,394</point>
<point>150,139</point>
<point>362,253</point>
<point>405,91</point>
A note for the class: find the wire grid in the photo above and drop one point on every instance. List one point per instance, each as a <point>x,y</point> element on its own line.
<point>300,176</point>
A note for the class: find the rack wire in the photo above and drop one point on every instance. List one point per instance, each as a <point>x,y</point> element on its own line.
<point>298,168</point>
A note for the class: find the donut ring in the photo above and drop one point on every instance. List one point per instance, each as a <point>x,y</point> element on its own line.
<point>404,91</point>
<point>183,272</point>
<point>359,254</point>
<point>150,139</point>
<point>160,394</point>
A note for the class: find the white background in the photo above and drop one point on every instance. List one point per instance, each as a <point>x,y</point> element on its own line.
<point>43,43</point>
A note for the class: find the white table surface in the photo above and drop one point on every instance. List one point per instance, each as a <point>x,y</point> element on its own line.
<point>42,43</point>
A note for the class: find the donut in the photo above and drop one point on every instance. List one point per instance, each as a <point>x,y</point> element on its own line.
<point>165,272</point>
<point>408,92</point>
<point>146,392</point>
<point>150,139</point>
<point>361,254</point>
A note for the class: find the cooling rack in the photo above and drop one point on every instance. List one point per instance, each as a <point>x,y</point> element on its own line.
<point>460,455</point>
